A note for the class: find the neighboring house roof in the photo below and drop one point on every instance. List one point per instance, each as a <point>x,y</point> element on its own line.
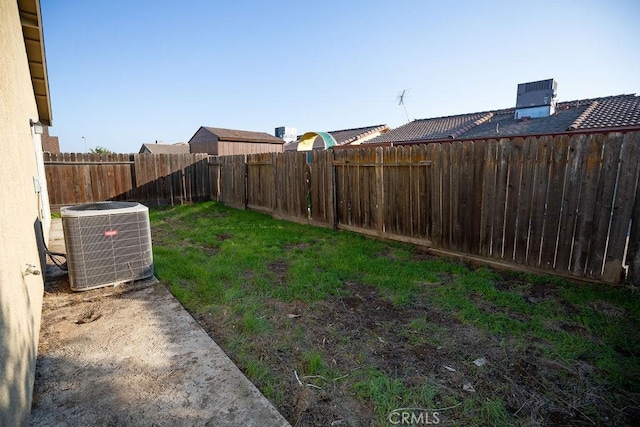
<point>581,115</point>
<point>504,124</point>
<point>234,135</point>
<point>436,128</point>
<point>348,136</point>
<point>617,111</point>
<point>179,148</point>
<point>344,137</point>
<point>31,20</point>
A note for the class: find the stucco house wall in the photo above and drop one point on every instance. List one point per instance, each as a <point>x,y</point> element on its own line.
<point>22,210</point>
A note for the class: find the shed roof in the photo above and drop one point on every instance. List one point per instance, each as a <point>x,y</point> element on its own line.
<point>179,148</point>
<point>235,135</point>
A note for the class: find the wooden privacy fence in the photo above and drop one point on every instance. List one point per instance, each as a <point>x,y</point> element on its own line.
<point>567,204</point>
<point>152,179</point>
<point>283,184</point>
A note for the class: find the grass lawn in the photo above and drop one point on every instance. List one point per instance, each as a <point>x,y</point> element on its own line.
<point>337,328</point>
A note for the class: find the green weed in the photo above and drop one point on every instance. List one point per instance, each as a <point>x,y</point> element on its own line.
<point>494,413</point>
<point>386,393</point>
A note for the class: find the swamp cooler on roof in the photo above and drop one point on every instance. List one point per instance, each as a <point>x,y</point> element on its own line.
<point>536,99</point>
<point>107,243</point>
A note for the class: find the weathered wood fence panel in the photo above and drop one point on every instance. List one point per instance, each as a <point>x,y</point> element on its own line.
<point>565,204</point>
<point>152,179</point>
<point>321,187</point>
<point>292,186</point>
<point>261,182</point>
<point>233,180</point>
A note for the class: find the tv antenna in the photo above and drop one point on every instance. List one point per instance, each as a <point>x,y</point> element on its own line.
<point>401,102</point>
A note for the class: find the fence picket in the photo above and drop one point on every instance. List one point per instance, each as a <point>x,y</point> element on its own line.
<point>588,193</point>
<point>539,197</point>
<point>488,197</point>
<point>500,201</point>
<point>604,202</point>
<point>554,202</point>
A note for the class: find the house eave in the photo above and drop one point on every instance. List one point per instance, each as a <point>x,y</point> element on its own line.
<point>31,22</point>
<point>256,141</point>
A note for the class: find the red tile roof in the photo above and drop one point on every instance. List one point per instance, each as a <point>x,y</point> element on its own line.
<point>347,136</point>
<point>619,111</point>
<point>436,128</point>
<point>580,115</point>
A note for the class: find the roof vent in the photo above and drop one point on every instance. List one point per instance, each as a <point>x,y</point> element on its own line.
<point>536,99</point>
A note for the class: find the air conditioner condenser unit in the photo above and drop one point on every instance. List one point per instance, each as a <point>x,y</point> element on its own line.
<point>107,243</point>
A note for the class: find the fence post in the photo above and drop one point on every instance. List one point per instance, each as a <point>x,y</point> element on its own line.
<point>215,167</point>
<point>379,191</point>
<point>246,180</point>
<point>332,216</point>
<point>218,169</point>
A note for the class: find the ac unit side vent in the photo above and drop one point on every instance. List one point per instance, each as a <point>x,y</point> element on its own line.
<point>107,243</point>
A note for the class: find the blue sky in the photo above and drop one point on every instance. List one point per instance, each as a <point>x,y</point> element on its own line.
<point>122,73</point>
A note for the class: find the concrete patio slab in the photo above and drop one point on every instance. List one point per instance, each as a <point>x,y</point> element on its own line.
<point>131,355</point>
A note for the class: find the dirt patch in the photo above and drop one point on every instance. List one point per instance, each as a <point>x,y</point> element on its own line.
<point>279,269</point>
<point>224,236</point>
<point>420,344</point>
<point>291,247</point>
<point>159,237</point>
<point>387,253</point>
<point>535,293</point>
<point>210,250</point>
<point>609,309</point>
<point>89,316</point>
<point>423,255</point>
<point>480,301</point>
<point>209,214</point>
